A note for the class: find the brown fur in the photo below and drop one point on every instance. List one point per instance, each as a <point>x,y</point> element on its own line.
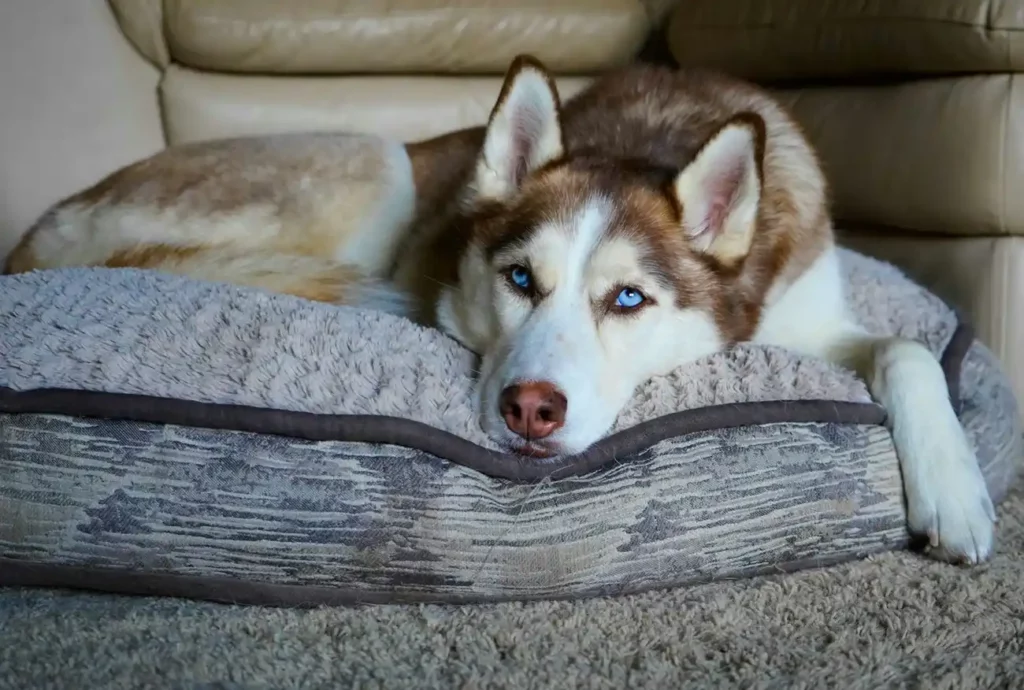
<point>313,278</point>
<point>249,211</point>
<point>150,256</point>
<point>627,135</point>
<point>440,166</point>
<point>21,259</point>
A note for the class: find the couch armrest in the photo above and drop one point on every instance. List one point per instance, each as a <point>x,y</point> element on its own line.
<point>76,102</point>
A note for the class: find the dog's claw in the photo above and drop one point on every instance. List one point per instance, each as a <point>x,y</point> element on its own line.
<point>950,504</point>
<point>960,528</point>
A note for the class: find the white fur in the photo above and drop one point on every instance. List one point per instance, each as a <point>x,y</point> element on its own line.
<point>524,133</point>
<point>355,213</point>
<point>374,244</point>
<point>598,363</point>
<point>467,312</point>
<point>597,360</point>
<point>594,358</point>
<point>947,498</point>
<point>79,235</point>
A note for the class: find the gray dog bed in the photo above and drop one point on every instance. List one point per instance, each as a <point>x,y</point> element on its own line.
<point>167,436</point>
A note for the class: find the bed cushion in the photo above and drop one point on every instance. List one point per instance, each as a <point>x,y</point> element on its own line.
<point>170,436</point>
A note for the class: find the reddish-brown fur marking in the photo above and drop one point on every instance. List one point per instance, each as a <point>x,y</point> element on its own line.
<point>626,136</point>
<point>150,256</point>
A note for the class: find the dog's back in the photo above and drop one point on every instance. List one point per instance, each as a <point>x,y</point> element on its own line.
<point>319,215</point>
<point>313,215</point>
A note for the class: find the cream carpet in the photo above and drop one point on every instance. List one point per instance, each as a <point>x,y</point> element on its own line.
<point>892,621</point>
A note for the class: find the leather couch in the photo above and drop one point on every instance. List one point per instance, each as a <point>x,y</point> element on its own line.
<point>916,107</point>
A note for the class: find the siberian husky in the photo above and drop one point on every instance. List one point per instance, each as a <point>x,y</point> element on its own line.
<point>580,248</point>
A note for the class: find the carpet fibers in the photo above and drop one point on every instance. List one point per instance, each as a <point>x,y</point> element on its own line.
<point>895,620</point>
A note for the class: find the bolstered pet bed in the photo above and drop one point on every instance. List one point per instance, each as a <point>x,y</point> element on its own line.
<point>167,436</point>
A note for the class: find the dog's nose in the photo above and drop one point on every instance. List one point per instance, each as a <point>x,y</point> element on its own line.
<point>533,410</point>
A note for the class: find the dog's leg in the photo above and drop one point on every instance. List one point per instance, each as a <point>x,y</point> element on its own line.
<point>947,499</point>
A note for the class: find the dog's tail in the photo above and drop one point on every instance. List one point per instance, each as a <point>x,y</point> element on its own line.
<point>309,277</point>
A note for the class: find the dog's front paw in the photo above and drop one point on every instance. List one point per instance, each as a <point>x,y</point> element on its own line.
<point>948,502</point>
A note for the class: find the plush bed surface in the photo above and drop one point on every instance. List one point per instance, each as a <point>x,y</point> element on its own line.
<point>145,333</point>
<point>161,435</point>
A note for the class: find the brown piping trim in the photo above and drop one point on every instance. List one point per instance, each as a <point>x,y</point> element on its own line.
<point>953,358</point>
<point>423,437</point>
<point>428,439</point>
<point>229,590</point>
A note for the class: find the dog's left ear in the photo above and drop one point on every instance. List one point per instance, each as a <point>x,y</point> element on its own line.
<point>719,192</point>
<point>524,131</point>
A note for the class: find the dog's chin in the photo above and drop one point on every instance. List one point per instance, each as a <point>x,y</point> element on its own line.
<point>536,450</point>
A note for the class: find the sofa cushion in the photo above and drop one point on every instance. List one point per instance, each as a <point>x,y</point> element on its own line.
<point>934,155</point>
<point>467,36</point>
<point>142,22</point>
<point>777,39</point>
<point>204,105</point>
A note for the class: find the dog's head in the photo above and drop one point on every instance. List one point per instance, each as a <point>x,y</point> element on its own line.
<point>583,277</point>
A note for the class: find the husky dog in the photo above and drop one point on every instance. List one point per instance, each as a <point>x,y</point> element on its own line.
<point>580,248</point>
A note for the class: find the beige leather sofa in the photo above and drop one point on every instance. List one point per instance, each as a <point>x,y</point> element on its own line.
<point>917,107</point>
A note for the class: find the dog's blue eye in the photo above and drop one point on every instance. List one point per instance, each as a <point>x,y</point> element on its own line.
<point>629,298</point>
<point>521,277</point>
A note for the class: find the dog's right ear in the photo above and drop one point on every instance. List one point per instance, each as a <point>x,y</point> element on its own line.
<point>719,192</point>
<point>524,131</point>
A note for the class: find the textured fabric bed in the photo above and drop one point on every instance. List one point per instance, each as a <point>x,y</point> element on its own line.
<point>890,621</point>
<point>170,436</point>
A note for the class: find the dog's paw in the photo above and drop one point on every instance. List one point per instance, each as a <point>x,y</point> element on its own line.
<point>948,501</point>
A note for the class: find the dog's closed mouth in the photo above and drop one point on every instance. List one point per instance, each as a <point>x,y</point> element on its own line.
<point>535,450</point>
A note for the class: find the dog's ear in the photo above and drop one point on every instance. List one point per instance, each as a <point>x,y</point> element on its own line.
<point>524,131</point>
<point>719,192</point>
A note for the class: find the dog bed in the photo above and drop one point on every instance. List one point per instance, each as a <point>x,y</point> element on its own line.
<point>161,435</point>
